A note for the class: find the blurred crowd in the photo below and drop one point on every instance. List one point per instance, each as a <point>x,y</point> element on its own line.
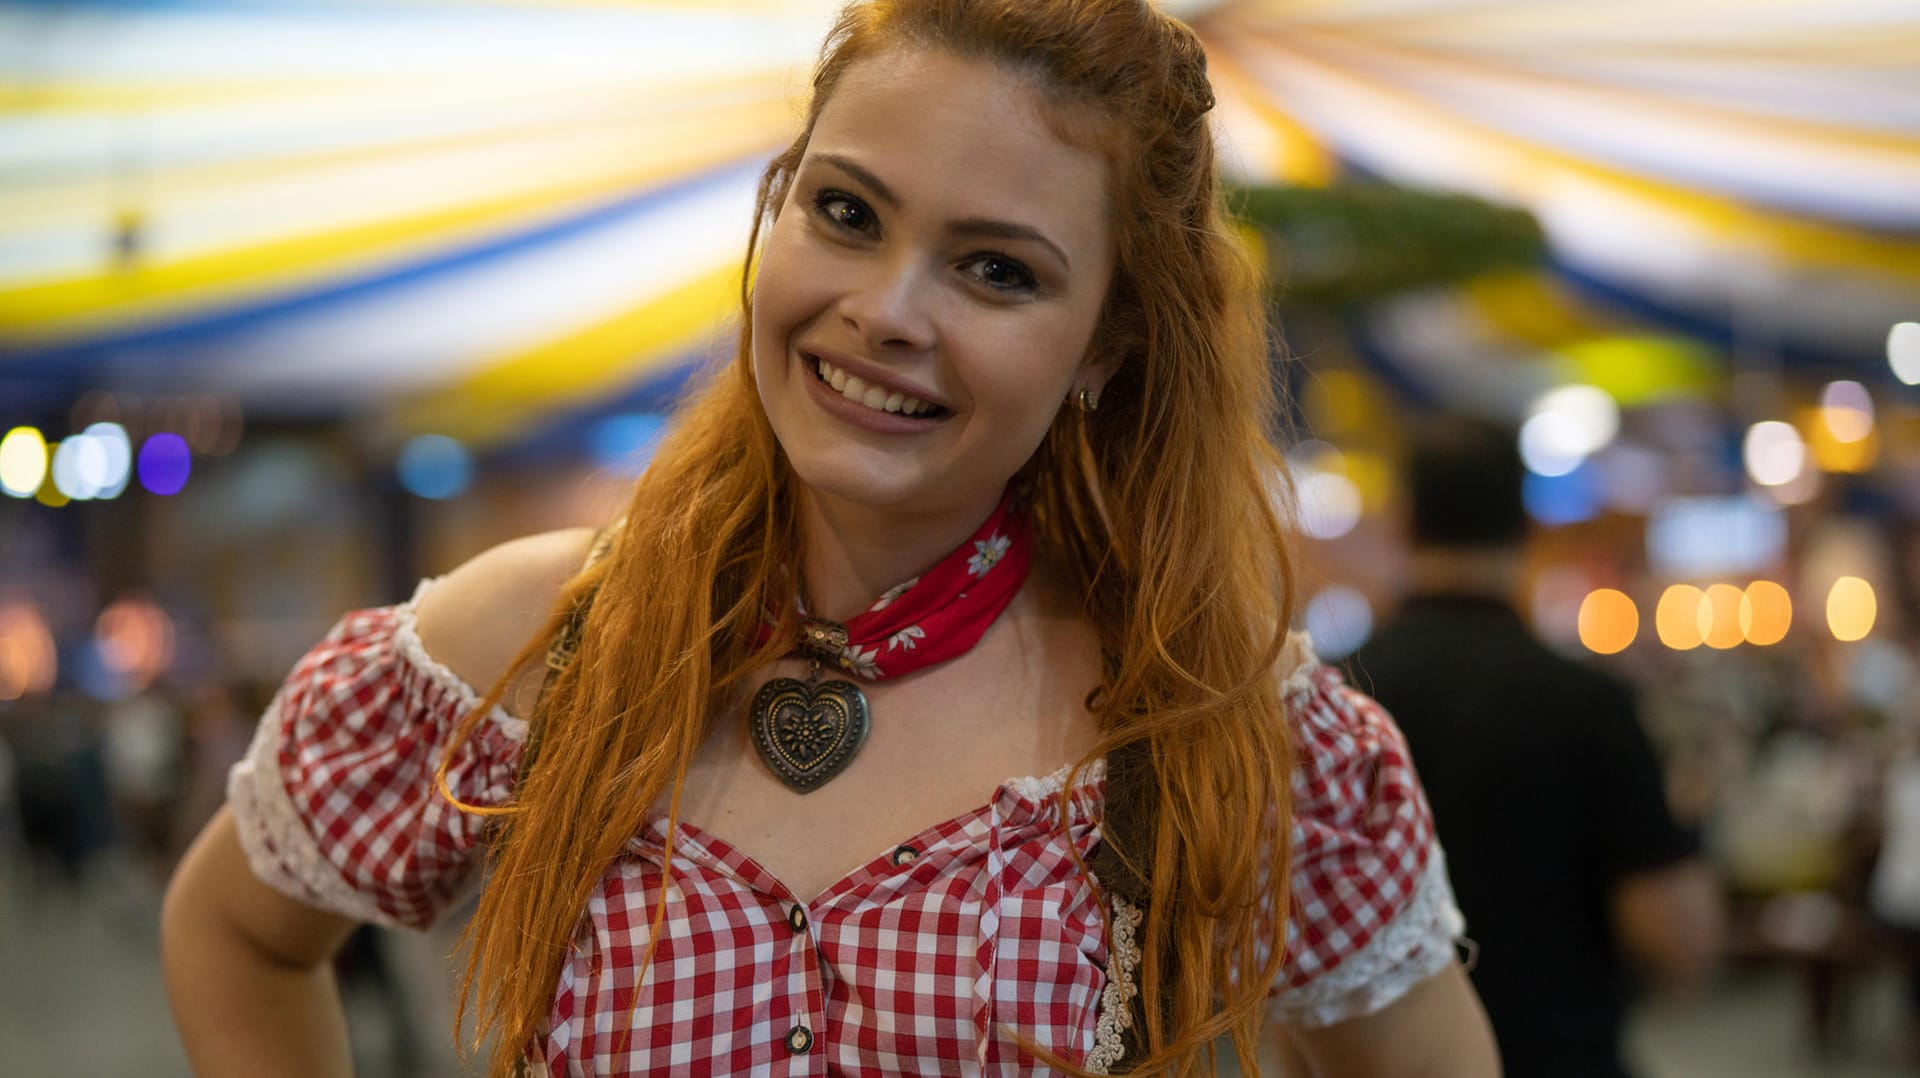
<point>1797,765</point>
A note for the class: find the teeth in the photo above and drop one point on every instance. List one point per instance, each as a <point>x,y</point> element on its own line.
<point>879,398</point>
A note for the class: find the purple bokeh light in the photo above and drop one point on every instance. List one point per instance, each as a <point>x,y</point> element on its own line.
<point>165,462</point>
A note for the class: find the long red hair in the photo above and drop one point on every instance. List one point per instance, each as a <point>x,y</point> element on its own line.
<point>1159,509</point>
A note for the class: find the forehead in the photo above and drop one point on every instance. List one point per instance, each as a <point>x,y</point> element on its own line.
<point>967,136</point>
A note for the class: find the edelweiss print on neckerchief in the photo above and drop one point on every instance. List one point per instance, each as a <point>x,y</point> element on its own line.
<point>808,731</point>
<point>892,593</point>
<point>987,553</point>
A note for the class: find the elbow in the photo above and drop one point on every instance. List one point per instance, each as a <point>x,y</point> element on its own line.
<point>1673,924</point>
<point>1692,954</point>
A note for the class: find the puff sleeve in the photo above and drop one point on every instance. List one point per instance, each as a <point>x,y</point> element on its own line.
<point>335,802</point>
<point>1372,912</point>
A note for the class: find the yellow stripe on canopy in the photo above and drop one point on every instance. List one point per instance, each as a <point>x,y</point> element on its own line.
<point>632,111</point>
<point>508,395</point>
<point>104,301</point>
<point>20,97</point>
<point>1297,155</point>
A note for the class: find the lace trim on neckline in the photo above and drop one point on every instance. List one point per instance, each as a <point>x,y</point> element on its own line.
<point>1300,662</point>
<point>1041,787</point>
<point>406,640</point>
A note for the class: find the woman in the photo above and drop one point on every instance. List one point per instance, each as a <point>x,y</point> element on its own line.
<point>986,493</point>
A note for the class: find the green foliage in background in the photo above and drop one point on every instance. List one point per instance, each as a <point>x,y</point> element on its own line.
<point>1338,247</point>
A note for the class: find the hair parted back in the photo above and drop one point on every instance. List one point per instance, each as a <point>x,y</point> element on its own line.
<point>1159,509</point>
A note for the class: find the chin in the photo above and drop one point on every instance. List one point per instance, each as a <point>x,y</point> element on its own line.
<point>870,487</point>
<point>893,485</point>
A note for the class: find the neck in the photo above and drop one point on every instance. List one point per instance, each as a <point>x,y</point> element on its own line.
<point>855,553</point>
<point>1487,573</point>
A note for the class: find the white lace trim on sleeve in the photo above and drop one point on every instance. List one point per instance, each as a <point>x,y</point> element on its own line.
<point>279,848</point>
<point>1415,945</point>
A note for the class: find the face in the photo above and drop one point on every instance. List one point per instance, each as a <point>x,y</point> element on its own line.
<point>927,294</point>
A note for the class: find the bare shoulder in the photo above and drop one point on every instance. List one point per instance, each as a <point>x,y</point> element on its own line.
<point>478,617</point>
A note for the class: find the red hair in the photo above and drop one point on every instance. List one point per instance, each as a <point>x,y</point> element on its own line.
<point>1159,510</point>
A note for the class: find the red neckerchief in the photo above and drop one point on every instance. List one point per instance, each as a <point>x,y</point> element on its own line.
<point>937,615</point>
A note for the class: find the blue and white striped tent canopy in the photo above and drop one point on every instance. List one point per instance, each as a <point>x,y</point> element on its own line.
<point>491,217</point>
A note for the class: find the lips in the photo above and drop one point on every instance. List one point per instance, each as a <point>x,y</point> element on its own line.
<point>872,395</point>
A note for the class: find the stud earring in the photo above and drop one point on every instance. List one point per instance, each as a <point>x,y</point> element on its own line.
<point>1086,400</point>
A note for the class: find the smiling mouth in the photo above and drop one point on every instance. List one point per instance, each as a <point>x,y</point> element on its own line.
<point>878,398</point>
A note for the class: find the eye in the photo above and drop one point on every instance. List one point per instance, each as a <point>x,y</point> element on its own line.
<point>843,211</point>
<point>1000,273</point>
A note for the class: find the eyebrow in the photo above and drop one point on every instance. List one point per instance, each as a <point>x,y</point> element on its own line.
<point>971,226</point>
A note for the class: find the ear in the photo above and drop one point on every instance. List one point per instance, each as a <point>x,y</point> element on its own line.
<point>1094,373</point>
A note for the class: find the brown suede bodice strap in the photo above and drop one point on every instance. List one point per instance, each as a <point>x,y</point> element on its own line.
<point>1128,817</point>
<point>565,645</point>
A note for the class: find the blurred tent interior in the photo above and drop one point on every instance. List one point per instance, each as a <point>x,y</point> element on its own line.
<point>479,218</point>
<point>302,300</point>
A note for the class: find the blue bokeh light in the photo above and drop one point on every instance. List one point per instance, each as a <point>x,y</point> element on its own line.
<point>1562,499</point>
<point>624,444</point>
<point>1340,620</point>
<point>434,466</point>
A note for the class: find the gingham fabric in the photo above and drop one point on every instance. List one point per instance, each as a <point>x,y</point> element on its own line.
<point>938,956</point>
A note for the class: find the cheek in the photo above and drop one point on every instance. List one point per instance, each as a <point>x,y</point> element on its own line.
<point>770,292</point>
<point>784,288</point>
<point>1047,358</point>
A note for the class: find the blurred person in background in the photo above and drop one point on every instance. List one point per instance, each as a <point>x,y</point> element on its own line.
<point>66,809</point>
<point>1571,870</point>
<point>1000,408</point>
<point>145,752</point>
<point>1893,890</point>
<point>219,725</point>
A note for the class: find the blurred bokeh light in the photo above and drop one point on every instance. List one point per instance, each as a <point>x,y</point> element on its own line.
<point>300,303</point>
<point>1766,613</point>
<point>1609,621</point>
<point>1683,617</point>
<point>1851,608</point>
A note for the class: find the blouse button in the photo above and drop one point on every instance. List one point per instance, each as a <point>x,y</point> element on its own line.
<point>797,918</point>
<point>904,856</point>
<point>799,1039</point>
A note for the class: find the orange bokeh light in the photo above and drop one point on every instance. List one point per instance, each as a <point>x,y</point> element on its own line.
<point>1723,624</point>
<point>1608,621</point>
<point>1682,617</point>
<point>1766,613</point>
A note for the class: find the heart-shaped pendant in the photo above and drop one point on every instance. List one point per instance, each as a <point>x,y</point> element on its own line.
<point>808,733</point>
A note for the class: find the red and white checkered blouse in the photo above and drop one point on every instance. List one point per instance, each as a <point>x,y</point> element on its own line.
<point>936,956</point>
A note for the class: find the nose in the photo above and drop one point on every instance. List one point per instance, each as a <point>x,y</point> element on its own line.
<point>887,305</point>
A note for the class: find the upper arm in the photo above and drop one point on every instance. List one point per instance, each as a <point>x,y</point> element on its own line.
<point>478,619</point>
<point>214,889</point>
<point>339,802</point>
<point>1436,1030</point>
<point>1372,912</point>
